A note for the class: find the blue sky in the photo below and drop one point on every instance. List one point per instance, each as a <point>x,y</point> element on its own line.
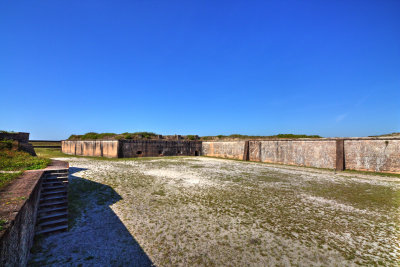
<point>200,67</point>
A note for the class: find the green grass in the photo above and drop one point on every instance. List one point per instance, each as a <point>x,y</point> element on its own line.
<point>373,173</point>
<point>54,143</point>
<point>51,153</point>
<point>2,223</point>
<point>6,178</point>
<point>18,161</point>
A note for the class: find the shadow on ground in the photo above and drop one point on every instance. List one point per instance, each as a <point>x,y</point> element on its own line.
<point>96,235</point>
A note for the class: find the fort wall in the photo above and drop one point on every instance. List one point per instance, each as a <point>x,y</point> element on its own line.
<point>364,154</point>
<point>156,148</point>
<point>320,154</point>
<point>370,154</point>
<point>381,155</point>
<point>230,150</point>
<point>132,148</point>
<point>98,148</point>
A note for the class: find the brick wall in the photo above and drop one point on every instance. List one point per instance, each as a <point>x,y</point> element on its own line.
<point>232,150</point>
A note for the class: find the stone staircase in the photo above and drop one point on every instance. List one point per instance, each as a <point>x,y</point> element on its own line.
<point>53,204</point>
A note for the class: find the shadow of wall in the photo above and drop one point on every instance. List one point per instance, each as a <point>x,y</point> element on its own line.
<point>96,236</point>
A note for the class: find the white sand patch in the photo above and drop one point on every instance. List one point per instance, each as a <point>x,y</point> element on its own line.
<point>182,176</point>
<point>333,204</point>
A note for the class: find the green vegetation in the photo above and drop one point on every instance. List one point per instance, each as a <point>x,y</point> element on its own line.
<point>387,135</point>
<point>6,144</point>
<point>92,136</point>
<point>150,135</point>
<point>6,178</point>
<point>191,137</point>
<point>45,144</point>
<point>374,173</point>
<point>18,161</point>
<point>50,153</point>
<point>113,136</point>
<point>13,162</point>
<point>2,223</point>
<point>2,131</point>
<point>241,136</point>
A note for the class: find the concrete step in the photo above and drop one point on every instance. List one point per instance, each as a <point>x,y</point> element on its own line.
<point>57,173</point>
<point>53,203</point>
<point>55,222</point>
<point>52,198</point>
<point>52,230</point>
<point>52,192</point>
<point>52,210</point>
<point>54,183</point>
<point>56,187</point>
<point>63,178</point>
<point>53,216</point>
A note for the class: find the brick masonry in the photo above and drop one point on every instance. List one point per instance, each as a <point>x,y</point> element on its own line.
<point>370,154</point>
<point>132,148</point>
<point>156,148</point>
<point>320,154</point>
<point>99,148</point>
<point>231,150</point>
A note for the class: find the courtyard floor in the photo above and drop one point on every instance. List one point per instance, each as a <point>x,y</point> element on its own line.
<point>190,211</point>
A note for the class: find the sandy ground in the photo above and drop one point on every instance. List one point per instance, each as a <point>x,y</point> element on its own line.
<point>212,212</point>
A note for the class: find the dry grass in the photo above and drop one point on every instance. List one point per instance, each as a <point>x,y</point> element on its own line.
<point>213,212</point>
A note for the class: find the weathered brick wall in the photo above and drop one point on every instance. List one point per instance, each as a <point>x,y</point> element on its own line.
<point>100,148</point>
<point>359,154</point>
<point>19,203</point>
<point>232,150</point>
<point>132,148</point>
<point>372,155</point>
<point>155,148</point>
<point>311,153</point>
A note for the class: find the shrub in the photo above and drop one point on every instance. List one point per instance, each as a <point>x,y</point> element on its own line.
<point>5,144</point>
<point>191,137</point>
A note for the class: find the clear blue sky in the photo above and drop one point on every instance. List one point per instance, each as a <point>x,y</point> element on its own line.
<point>200,67</point>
